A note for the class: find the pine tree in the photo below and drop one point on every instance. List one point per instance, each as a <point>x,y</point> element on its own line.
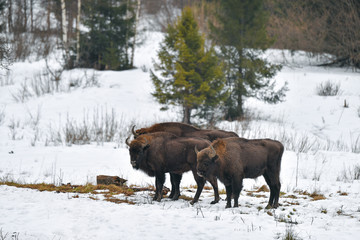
<point>241,34</point>
<point>107,43</point>
<point>190,76</point>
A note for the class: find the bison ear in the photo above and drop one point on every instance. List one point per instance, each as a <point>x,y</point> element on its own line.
<point>214,158</point>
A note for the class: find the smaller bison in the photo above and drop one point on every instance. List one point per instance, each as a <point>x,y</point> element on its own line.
<point>162,152</point>
<point>233,159</point>
<point>184,130</point>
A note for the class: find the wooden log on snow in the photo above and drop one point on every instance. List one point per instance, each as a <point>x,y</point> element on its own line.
<point>108,180</point>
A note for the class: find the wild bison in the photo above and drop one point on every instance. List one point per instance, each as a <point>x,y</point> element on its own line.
<point>162,152</point>
<point>184,130</point>
<point>233,159</point>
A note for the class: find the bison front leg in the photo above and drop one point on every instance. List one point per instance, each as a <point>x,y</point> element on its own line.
<point>213,182</point>
<point>228,196</point>
<point>200,185</point>
<point>159,183</point>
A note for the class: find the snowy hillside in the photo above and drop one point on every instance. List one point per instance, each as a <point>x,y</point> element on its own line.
<point>321,161</point>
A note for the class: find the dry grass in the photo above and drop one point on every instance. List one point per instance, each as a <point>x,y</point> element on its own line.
<point>186,198</point>
<point>291,196</point>
<point>110,198</point>
<point>342,193</point>
<point>263,188</point>
<point>317,196</point>
<point>108,191</point>
<point>191,187</point>
<point>222,191</point>
<point>252,194</point>
<point>88,188</point>
<point>302,192</point>
<point>291,203</point>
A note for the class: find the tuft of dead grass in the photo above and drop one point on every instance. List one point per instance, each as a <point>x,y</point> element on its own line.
<point>108,191</point>
<point>317,196</point>
<point>342,193</point>
<point>186,198</point>
<point>222,191</point>
<point>263,188</point>
<point>112,199</point>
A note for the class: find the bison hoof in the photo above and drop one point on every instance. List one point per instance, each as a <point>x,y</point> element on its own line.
<point>157,199</point>
<point>176,197</point>
<point>272,206</point>
<point>228,206</point>
<point>214,202</point>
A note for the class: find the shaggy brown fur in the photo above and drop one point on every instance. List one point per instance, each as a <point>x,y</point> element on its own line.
<point>185,130</point>
<point>162,152</point>
<point>233,159</point>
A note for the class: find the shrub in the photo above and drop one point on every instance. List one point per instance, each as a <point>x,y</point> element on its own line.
<point>328,88</point>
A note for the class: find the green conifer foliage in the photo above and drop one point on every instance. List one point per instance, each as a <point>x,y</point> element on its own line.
<point>107,42</point>
<point>188,75</point>
<point>241,34</point>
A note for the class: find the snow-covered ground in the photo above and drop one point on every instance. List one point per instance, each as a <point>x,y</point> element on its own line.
<point>322,140</point>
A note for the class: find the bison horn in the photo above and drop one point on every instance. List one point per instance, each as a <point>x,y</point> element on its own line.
<point>127,141</point>
<point>133,131</point>
<point>214,152</point>
<point>196,150</point>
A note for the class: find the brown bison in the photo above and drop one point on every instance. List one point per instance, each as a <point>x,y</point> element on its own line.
<point>184,130</point>
<point>162,152</point>
<point>233,159</point>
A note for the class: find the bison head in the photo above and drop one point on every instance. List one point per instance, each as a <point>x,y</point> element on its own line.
<point>137,149</point>
<point>206,161</point>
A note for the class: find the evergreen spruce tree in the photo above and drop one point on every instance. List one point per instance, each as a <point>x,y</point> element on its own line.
<point>241,34</point>
<point>190,76</point>
<point>108,43</point>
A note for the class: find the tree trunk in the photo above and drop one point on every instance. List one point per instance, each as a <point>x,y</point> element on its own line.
<point>25,16</point>
<point>186,114</point>
<point>64,32</point>
<point>63,22</point>
<point>31,15</point>
<point>135,32</point>
<point>48,17</point>
<point>127,36</point>
<point>239,107</point>
<point>10,25</point>
<point>78,33</point>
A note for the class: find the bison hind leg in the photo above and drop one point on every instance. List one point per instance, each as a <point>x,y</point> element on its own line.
<point>159,183</point>
<point>175,186</point>
<point>274,184</point>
